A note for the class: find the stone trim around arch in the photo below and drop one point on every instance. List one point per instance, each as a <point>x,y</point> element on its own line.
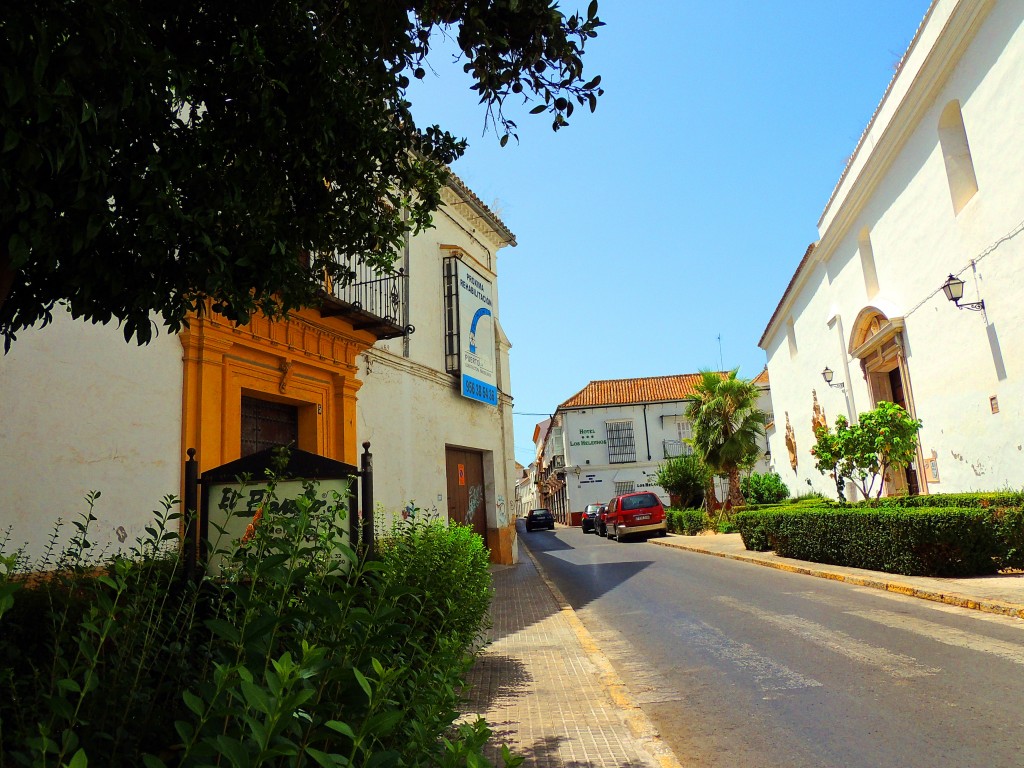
<point>877,341</point>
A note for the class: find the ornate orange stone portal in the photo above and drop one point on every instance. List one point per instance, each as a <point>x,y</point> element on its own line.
<point>306,361</point>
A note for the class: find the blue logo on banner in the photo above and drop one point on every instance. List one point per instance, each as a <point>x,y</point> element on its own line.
<point>478,390</point>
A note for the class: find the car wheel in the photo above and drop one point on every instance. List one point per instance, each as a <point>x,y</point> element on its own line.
<point>619,536</point>
<point>551,527</point>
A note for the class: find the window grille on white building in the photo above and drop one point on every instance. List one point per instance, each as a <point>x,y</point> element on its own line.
<point>621,448</point>
<point>680,446</point>
<point>627,487</point>
<point>452,349</point>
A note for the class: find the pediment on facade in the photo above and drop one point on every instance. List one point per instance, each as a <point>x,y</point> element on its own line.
<point>871,331</point>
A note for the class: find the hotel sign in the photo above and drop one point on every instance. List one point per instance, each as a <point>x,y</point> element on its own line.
<point>476,336</point>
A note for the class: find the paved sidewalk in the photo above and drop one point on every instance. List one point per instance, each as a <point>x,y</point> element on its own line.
<point>546,689</point>
<point>1002,594</point>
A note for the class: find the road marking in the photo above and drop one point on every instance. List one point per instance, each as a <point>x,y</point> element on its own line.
<point>947,635</point>
<point>767,674</point>
<point>896,664</point>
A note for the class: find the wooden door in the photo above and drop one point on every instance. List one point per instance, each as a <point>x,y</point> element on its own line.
<point>467,503</point>
<point>899,397</point>
<point>266,424</point>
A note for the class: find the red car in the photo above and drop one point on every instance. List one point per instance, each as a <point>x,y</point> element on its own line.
<point>634,513</point>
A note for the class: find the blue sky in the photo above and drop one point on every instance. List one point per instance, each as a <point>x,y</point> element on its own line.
<point>678,211</point>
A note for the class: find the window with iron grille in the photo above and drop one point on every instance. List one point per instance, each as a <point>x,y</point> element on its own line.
<point>627,487</point>
<point>451,316</point>
<point>621,448</point>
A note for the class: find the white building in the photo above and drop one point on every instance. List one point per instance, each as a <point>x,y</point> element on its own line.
<point>612,436</point>
<point>81,410</point>
<point>437,446</point>
<point>935,187</point>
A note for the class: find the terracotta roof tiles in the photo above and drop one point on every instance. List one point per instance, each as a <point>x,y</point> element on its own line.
<point>653,389</point>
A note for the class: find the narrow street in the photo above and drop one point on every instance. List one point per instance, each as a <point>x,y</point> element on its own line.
<point>739,665</point>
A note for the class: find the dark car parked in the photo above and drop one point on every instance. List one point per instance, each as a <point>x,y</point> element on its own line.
<point>540,518</point>
<point>590,515</point>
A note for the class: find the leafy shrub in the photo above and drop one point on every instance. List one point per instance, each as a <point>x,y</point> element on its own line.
<point>1009,525</point>
<point>448,566</point>
<point>994,500</point>
<point>754,526</point>
<point>688,522</point>
<point>685,478</point>
<point>763,489</point>
<point>298,653</point>
<point>915,542</point>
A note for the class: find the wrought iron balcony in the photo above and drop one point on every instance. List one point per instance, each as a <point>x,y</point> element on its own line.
<point>675,448</point>
<point>378,303</point>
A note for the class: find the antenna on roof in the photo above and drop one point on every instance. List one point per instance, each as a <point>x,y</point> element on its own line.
<point>721,365</point>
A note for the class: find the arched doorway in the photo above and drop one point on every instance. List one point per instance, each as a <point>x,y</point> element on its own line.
<point>878,342</point>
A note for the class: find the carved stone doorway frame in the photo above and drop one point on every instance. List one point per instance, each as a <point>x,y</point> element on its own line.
<point>879,344</point>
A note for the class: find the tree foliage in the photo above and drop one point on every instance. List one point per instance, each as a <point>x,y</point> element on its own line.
<point>883,441</point>
<point>766,488</point>
<point>161,157</point>
<point>727,425</point>
<point>685,478</point>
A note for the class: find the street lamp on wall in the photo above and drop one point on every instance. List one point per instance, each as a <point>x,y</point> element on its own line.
<point>954,290</point>
<point>827,376</point>
<point>576,470</point>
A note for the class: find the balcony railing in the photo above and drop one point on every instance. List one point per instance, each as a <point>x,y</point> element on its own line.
<point>371,301</point>
<point>675,448</point>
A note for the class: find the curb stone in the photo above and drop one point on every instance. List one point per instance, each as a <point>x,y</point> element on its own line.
<point>999,607</point>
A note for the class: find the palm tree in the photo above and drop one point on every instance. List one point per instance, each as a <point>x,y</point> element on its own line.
<point>727,425</point>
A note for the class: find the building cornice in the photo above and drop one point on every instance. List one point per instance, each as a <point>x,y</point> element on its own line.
<point>458,196</point>
<point>930,59</point>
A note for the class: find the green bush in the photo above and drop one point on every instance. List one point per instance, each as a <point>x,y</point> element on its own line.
<point>1009,524</point>
<point>685,478</point>
<point>448,567</point>
<point>688,522</point>
<point>1000,499</point>
<point>945,541</point>
<point>298,653</point>
<point>763,489</point>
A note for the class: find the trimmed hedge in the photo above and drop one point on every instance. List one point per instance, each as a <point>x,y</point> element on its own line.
<point>923,541</point>
<point>992,500</point>
<point>689,522</point>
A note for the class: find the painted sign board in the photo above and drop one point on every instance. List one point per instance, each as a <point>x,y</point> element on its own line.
<point>476,334</point>
<point>229,528</point>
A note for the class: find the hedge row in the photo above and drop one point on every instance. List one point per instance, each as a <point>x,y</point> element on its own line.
<point>688,522</point>
<point>924,541</point>
<point>991,500</point>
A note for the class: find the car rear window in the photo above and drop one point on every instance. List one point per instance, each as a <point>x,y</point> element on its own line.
<point>640,501</point>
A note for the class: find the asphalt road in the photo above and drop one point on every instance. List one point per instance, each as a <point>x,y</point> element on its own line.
<point>749,667</point>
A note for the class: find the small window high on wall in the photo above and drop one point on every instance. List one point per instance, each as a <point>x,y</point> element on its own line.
<point>956,153</point>
<point>867,262</point>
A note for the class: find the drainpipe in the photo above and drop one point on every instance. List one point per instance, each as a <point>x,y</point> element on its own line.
<point>647,434</point>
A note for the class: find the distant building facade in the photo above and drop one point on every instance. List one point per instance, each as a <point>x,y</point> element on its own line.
<point>612,436</point>
<point>931,197</point>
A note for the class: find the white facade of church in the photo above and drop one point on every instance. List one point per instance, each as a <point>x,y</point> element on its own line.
<point>934,188</point>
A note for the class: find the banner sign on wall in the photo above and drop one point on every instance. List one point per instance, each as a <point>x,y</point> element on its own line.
<point>476,334</point>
